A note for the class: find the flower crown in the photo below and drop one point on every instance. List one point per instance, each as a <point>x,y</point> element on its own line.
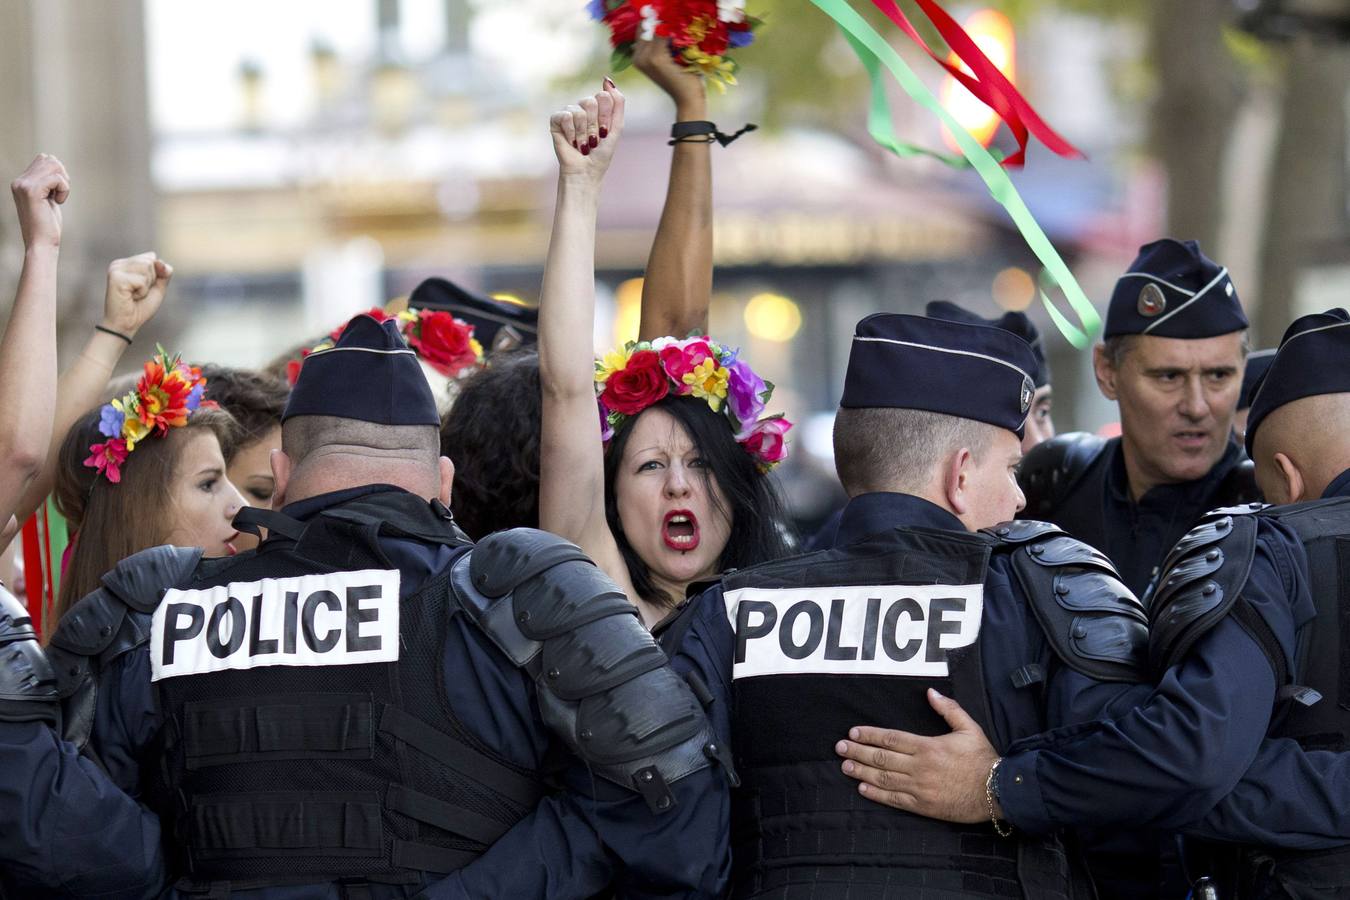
<point>700,31</point>
<point>628,381</point>
<point>168,392</point>
<point>439,339</point>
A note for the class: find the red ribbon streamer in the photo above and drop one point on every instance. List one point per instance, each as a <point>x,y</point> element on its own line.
<point>989,85</point>
<point>34,573</point>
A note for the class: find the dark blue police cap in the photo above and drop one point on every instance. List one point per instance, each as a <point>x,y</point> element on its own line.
<point>970,371</point>
<point>496,323</point>
<point>1258,364</point>
<point>1311,361</point>
<point>1016,322</point>
<point>369,375</point>
<point>1173,290</point>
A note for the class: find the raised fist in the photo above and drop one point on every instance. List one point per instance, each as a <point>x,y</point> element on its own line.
<point>136,287</point>
<point>38,195</point>
<point>586,133</point>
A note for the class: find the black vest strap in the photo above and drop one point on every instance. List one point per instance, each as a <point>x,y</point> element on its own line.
<point>459,756</point>
<point>283,726</point>
<point>446,816</point>
<point>252,519</point>
<point>288,823</point>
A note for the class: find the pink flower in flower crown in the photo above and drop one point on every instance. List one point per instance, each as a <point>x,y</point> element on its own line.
<point>680,358</point>
<point>745,396</point>
<point>606,430</point>
<point>766,442</point>
<point>108,457</point>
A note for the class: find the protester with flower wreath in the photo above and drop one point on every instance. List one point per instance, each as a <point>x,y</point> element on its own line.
<point>668,487</point>
<point>144,470</point>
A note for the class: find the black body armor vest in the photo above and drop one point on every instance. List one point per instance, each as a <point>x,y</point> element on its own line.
<point>1201,584</point>
<point>835,639</point>
<point>320,771</point>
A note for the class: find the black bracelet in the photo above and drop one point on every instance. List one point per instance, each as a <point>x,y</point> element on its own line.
<point>117,334</point>
<point>700,132</point>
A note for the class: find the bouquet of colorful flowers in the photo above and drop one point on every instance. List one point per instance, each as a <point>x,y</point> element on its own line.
<point>700,31</point>
<point>168,392</point>
<point>632,379</point>
<point>444,343</point>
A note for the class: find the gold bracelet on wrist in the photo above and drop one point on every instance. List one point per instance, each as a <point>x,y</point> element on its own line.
<point>1001,828</point>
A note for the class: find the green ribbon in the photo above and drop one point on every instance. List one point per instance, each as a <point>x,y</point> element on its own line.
<point>873,51</point>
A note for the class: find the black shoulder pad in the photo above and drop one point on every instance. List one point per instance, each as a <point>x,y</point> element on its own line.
<point>1052,468</point>
<point>1019,531</point>
<point>27,683</point>
<point>505,559</point>
<point>1092,621</point>
<point>141,579</point>
<point>1199,582</point>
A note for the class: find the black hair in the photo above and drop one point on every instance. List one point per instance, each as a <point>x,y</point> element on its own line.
<point>255,400</point>
<point>754,507</point>
<point>491,434</point>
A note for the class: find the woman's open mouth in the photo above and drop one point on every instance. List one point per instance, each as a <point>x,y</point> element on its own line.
<point>680,530</point>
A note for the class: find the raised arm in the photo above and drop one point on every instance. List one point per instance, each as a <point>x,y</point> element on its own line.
<point>677,289</point>
<point>28,349</point>
<point>571,453</point>
<point>135,290</point>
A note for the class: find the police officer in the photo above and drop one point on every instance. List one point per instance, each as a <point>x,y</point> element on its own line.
<point>368,705</point>
<point>912,596</point>
<point>1175,341</point>
<point>1246,634</point>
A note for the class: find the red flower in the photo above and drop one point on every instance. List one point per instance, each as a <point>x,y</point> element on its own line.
<point>623,21</point>
<point>446,343</point>
<point>374,312</point>
<point>637,385</point>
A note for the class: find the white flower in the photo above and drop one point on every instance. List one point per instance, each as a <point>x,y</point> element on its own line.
<point>731,10</point>
<point>649,23</point>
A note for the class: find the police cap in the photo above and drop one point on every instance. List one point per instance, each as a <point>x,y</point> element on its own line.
<point>956,368</point>
<point>1173,290</point>
<point>1311,361</point>
<point>370,375</point>
<point>1016,322</point>
<point>1258,364</point>
<point>512,323</point>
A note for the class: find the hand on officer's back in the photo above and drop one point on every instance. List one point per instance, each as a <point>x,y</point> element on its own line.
<point>941,777</point>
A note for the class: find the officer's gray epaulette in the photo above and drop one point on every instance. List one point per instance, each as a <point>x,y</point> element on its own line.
<point>1199,583</point>
<point>1053,467</point>
<point>109,622</point>
<point>1092,621</point>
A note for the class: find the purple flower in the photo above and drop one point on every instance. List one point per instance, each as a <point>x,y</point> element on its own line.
<point>606,430</point>
<point>597,9</point>
<point>740,38</point>
<point>194,399</point>
<point>110,420</point>
<point>745,396</point>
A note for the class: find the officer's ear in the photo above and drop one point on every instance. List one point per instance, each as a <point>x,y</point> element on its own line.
<point>956,482</point>
<point>1292,477</point>
<point>1105,372</point>
<point>447,480</point>
<point>281,476</point>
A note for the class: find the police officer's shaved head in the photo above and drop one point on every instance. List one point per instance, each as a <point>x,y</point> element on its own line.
<point>900,450</point>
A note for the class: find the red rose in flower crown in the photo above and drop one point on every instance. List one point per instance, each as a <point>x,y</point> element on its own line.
<point>637,385</point>
<point>446,344</point>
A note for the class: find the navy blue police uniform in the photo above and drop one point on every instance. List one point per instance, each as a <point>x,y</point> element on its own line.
<point>1078,481</point>
<point>1023,625</point>
<point>1017,323</point>
<point>370,706</point>
<point>1246,633</point>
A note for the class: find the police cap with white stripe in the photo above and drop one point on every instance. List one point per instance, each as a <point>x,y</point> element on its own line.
<point>1311,361</point>
<point>369,375</point>
<point>1016,322</point>
<point>1256,367</point>
<point>491,319</point>
<point>1173,290</point>
<point>956,368</point>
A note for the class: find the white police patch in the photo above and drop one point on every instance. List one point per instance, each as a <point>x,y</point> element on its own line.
<point>337,619</point>
<point>903,630</point>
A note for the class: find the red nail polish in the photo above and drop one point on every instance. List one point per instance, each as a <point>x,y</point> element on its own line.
<point>604,132</point>
<point>595,142</point>
<point>585,149</point>
<point>576,146</point>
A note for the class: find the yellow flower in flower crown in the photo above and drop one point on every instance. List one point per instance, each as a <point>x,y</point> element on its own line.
<point>133,429</point>
<point>613,361</point>
<point>477,348</point>
<point>708,380</point>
